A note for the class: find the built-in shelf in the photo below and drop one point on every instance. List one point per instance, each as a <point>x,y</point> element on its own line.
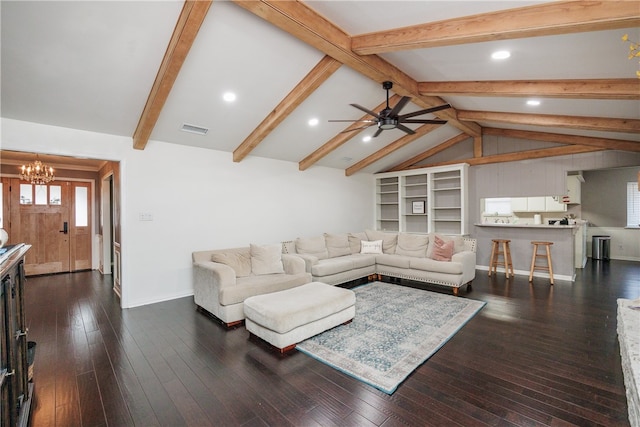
<point>423,200</point>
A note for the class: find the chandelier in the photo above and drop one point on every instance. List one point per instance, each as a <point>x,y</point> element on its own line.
<point>36,173</point>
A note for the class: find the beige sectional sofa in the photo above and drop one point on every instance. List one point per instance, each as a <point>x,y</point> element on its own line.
<point>224,278</point>
<point>431,258</point>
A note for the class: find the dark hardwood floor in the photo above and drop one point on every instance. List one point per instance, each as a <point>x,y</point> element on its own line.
<point>535,355</point>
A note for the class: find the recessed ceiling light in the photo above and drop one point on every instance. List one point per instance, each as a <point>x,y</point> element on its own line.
<point>533,102</point>
<point>501,54</point>
<point>366,138</point>
<point>229,96</point>
<point>313,122</point>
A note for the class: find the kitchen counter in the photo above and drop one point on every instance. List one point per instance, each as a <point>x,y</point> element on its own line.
<point>516,225</point>
<point>563,251</point>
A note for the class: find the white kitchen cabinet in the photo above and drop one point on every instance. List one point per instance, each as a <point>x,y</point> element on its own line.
<point>573,189</point>
<point>536,204</point>
<point>519,204</point>
<point>426,200</point>
<point>554,204</point>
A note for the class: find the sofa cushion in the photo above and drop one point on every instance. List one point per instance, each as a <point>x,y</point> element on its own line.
<point>427,264</point>
<point>266,259</point>
<point>249,286</point>
<point>315,246</point>
<point>330,266</point>
<point>354,241</point>
<point>240,261</point>
<point>373,247</point>
<point>412,244</point>
<point>399,261</point>
<point>389,240</point>
<point>363,260</point>
<point>337,244</point>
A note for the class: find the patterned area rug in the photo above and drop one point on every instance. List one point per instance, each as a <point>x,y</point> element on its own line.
<point>395,330</point>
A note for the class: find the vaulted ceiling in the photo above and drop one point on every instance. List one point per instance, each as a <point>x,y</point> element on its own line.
<point>144,69</point>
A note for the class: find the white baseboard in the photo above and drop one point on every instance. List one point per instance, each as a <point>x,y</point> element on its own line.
<point>526,273</point>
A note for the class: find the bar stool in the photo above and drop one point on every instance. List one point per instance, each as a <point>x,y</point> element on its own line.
<point>506,256</point>
<point>548,267</point>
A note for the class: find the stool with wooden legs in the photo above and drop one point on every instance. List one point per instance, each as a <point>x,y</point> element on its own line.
<point>535,266</point>
<point>506,256</point>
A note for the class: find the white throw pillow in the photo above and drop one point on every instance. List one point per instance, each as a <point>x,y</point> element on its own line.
<point>374,247</point>
<point>266,259</point>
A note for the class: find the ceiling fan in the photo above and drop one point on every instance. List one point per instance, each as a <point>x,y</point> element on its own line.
<point>389,117</point>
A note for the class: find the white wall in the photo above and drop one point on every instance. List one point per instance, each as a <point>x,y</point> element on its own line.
<point>200,199</point>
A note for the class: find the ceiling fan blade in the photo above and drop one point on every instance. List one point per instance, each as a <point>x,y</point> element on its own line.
<point>425,121</point>
<point>371,113</point>
<point>370,121</point>
<point>406,129</point>
<point>425,111</point>
<point>399,106</point>
<point>360,128</point>
<point>378,132</point>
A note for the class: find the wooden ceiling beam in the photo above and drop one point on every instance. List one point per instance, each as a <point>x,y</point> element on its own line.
<point>396,145</point>
<point>304,23</point>
<point>430,152</point>
<point>318,75</point>
<point>573,122</point>
<point>628,89</point>
<point>604,143</point>
<point>517,156</point>
<point>185,32</point>
<point>561,17</point>
<point>340,138</point>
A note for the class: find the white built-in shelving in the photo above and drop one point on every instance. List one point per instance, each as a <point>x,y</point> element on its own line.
<point>387,201</point>
<point>423,200</point>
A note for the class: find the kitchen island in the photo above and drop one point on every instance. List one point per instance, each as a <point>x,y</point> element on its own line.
<point>567,250</point>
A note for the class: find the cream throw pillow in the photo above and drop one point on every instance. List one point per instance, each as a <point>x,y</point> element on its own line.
<point>266,259</point>
<point>374,247</point>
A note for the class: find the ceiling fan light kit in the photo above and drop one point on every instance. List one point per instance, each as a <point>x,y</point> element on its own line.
<point>389,118</point>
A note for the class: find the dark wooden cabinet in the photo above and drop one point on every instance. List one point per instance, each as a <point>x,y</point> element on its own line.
<point>15,387</point>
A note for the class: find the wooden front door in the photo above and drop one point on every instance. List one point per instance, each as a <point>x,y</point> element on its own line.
<point>55,220</point>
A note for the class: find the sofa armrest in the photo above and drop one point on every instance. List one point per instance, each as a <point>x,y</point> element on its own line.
<point>468,261</point>
<point>309,261</point>
<point>213,275</point>
<point>293,264</point>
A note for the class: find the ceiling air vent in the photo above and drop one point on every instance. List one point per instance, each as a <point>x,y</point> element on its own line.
<point>194,129</point>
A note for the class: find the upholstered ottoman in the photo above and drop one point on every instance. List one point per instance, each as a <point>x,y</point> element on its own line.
<point>287,317</point>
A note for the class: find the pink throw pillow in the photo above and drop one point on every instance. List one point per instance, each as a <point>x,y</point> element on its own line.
<point>443,251</point>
